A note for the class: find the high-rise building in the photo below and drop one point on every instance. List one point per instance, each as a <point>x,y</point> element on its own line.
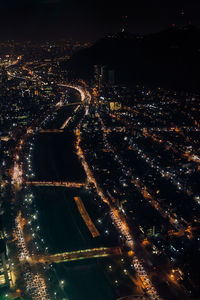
<point>4,77</point>
<point>103,76</point>
<point>111,77</point>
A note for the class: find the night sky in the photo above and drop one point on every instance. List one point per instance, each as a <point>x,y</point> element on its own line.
<point>91,19</point>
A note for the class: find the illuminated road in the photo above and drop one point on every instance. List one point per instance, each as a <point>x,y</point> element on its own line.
<point>119,220</point>
<point>77,255</point>
<point>35,283</point>
<point>66,184</point>
<point>85,98</point>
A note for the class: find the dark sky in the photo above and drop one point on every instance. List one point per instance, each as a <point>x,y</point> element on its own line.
<point>89,19</point>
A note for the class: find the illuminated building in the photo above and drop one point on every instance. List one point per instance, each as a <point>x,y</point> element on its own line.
<point>115,105</point>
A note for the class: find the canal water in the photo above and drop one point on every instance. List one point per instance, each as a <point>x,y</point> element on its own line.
<point>64,230</point>
<point>62,226</point>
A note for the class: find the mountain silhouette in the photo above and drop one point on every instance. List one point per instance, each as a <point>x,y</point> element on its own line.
<point>170,58</point>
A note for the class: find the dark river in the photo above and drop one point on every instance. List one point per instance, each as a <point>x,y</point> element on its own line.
<point>62,226</point>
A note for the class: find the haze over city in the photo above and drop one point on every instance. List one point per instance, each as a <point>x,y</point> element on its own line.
<point>91,19</point>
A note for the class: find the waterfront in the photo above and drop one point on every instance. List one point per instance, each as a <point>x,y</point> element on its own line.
<point>62,227</point>
<point>64,230</point>
<point>99,177</point>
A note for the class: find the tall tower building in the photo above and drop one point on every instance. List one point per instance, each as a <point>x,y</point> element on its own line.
<point>125,24</point>
<point>4,77</point>
<point>111,77</point>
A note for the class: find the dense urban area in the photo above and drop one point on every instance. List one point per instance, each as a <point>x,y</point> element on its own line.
<point>99,182</point>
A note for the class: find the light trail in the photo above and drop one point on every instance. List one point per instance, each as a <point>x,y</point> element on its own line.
<point>85,96</point>
<point>35,283</point>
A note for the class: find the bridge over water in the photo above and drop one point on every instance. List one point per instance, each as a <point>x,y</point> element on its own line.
<point>56,183</point>
<point>76,255</point>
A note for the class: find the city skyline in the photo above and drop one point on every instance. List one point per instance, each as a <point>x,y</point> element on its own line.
<point>99,150</point>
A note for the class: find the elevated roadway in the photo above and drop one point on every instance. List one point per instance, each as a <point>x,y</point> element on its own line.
<point>56,183</point>
<point>77,255</point>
